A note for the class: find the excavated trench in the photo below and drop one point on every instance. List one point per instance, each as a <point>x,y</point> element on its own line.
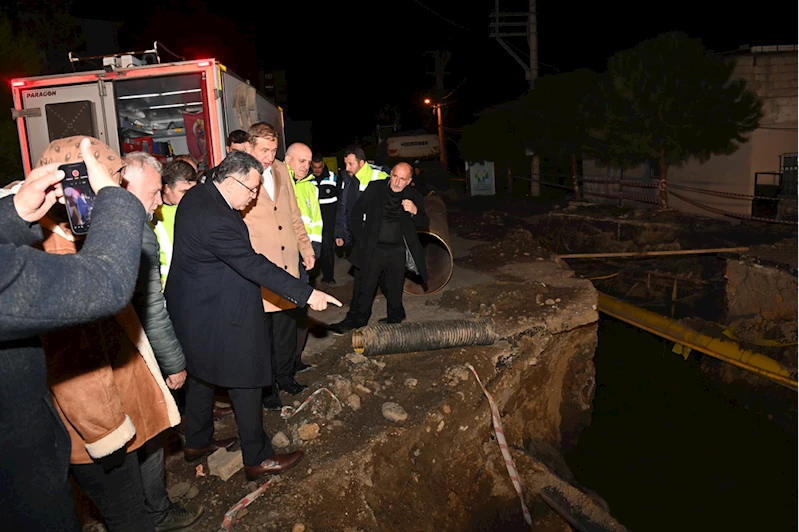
<point>439,466</point>
<point>409,444</point>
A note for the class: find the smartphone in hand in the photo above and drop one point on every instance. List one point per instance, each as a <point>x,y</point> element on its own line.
<point>78,196</point>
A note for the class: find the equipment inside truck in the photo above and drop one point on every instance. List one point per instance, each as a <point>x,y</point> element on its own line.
<point>162,115</point>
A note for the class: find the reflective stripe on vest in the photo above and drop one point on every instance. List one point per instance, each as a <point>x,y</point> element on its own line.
<point>166,246</point>
<point>375,177</point>
<point>326,182</point>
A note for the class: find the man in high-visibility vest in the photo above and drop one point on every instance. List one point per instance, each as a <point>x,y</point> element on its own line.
<point>298,162</point>
<point>327,192</point>
<point>361,174</point>
<point>177,178</point>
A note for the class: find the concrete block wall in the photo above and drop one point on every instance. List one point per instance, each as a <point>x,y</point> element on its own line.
<point>774,76</point>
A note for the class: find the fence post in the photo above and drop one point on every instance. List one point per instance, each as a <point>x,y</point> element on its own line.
<point>575,181</point>
<point>663,195</point>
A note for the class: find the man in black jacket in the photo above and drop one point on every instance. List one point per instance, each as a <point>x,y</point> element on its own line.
<point>384,222</point>
<point>328,191</point>
<point>213,295</point>
<point>142,178</point>
<point>41,292</point>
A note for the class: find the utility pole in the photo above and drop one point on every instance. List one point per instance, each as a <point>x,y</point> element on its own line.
<point>532,40</point>
<point>506,24</point>
<point>441,60</point>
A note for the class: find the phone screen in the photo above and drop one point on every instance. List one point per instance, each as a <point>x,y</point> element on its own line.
<point>78,197</point>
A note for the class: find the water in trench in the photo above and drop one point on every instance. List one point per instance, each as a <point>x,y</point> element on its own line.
<point>667,453</point>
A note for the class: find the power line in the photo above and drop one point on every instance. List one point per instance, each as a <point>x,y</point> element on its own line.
<point>456,88</point>
<point>443,17</point>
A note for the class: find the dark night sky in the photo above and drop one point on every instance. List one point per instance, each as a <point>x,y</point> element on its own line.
<point>345,60</point>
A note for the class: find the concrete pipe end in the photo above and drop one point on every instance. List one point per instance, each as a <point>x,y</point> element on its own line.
<point>440,265</point>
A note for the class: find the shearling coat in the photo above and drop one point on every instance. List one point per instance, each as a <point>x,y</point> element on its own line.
<point>278,232</point>
<point>104,379</point>
<point>41,292</point>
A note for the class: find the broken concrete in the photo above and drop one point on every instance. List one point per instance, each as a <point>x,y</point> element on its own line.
<point>224,463</point>
<point>755,288</point>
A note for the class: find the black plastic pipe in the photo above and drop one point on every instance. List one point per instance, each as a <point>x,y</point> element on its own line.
<point>384,339</point>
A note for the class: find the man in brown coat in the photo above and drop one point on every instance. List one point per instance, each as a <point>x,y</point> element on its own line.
<point>278,232</point>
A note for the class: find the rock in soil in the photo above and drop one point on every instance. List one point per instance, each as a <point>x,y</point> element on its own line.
<point>280,440</point>
<point>354,402</point>
<point>178,490</point>
<point>355,358</point>
<point>309,432</point>
<point>394,412</point>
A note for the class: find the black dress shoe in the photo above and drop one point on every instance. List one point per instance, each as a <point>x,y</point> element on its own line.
<point>301,366</point>
<point>192,455</point>
<point>386,320</point>
<point>272,401</point>
<point>341,327</point>
<point>275,465</point>
<point>290,386</point>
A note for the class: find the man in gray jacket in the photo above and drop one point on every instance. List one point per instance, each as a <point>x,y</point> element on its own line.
<point>142,177</point>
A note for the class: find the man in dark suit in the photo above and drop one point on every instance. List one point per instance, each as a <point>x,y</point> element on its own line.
<point>213,294</point>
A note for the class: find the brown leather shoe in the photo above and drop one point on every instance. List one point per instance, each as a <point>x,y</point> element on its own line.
<point>275,465</point>
<point>192,455</point>
<point>222,411</point>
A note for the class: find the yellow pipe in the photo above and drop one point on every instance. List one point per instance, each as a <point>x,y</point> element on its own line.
<point>729,352</point>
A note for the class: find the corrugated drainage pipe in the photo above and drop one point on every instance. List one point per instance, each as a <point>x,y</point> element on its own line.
<point>384,339</point>
<point>438,254</point>
<point>729,352</point>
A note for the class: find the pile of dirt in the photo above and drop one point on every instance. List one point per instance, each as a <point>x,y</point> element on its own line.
<point>516,245</point>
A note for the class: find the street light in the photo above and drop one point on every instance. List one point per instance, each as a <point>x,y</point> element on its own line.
<point>442,145</point>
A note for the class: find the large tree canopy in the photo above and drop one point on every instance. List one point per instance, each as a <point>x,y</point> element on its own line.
<point>670,99</point>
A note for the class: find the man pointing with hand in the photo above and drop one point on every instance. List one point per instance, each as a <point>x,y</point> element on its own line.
<point>213,294</point>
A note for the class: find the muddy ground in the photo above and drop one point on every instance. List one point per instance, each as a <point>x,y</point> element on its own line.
<point>495,246</point>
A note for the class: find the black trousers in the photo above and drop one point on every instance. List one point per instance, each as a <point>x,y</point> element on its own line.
<point>282,327</point>
<point>386,267</point>
<point>118,494</point>
<point>328,258</point>
<point>255,445</point>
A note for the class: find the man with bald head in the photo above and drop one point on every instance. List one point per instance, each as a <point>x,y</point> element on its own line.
<point>385,220</point>
<point>298,162</point>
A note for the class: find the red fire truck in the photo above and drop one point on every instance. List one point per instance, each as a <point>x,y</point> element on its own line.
<point>166,109</point>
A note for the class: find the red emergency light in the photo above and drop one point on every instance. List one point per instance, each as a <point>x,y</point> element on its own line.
<point>17,83</point>
<point>204,63</point>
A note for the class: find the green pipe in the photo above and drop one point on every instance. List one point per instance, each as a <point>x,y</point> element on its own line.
<point>727,351</point>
